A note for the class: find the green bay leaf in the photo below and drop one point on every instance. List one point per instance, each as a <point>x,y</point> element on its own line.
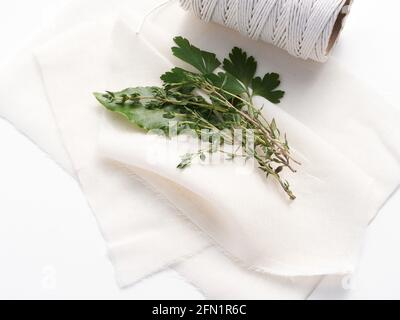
<point>139,107</point>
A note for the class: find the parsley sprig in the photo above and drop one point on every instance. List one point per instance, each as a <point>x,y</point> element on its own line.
<point>212,96</point>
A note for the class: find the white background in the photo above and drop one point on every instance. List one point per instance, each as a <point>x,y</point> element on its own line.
<point>50,246</point>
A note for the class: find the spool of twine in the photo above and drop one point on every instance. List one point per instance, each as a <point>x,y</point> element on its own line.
<point>306,29</point>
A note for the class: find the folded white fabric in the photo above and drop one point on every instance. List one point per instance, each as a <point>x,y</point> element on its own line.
<point>333,122</point>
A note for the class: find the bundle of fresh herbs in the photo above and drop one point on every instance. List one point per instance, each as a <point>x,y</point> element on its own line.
<point>217,97</point>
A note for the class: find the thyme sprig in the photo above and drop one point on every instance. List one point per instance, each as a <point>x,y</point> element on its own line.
<point>217,97</point>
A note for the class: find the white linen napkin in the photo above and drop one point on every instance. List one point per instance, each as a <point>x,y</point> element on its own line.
<point>355,105</point>
<point>318,233</point>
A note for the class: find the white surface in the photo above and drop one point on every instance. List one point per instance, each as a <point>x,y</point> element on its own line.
<point>63,244</point>
<point>52,253</point>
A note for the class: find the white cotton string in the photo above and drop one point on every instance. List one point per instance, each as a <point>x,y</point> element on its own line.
<point>306,29</point>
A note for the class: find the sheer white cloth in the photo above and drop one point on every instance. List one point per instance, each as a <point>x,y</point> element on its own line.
<point>247,240</point>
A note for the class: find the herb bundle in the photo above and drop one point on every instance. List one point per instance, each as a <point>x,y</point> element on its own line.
<point>217,97</point>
